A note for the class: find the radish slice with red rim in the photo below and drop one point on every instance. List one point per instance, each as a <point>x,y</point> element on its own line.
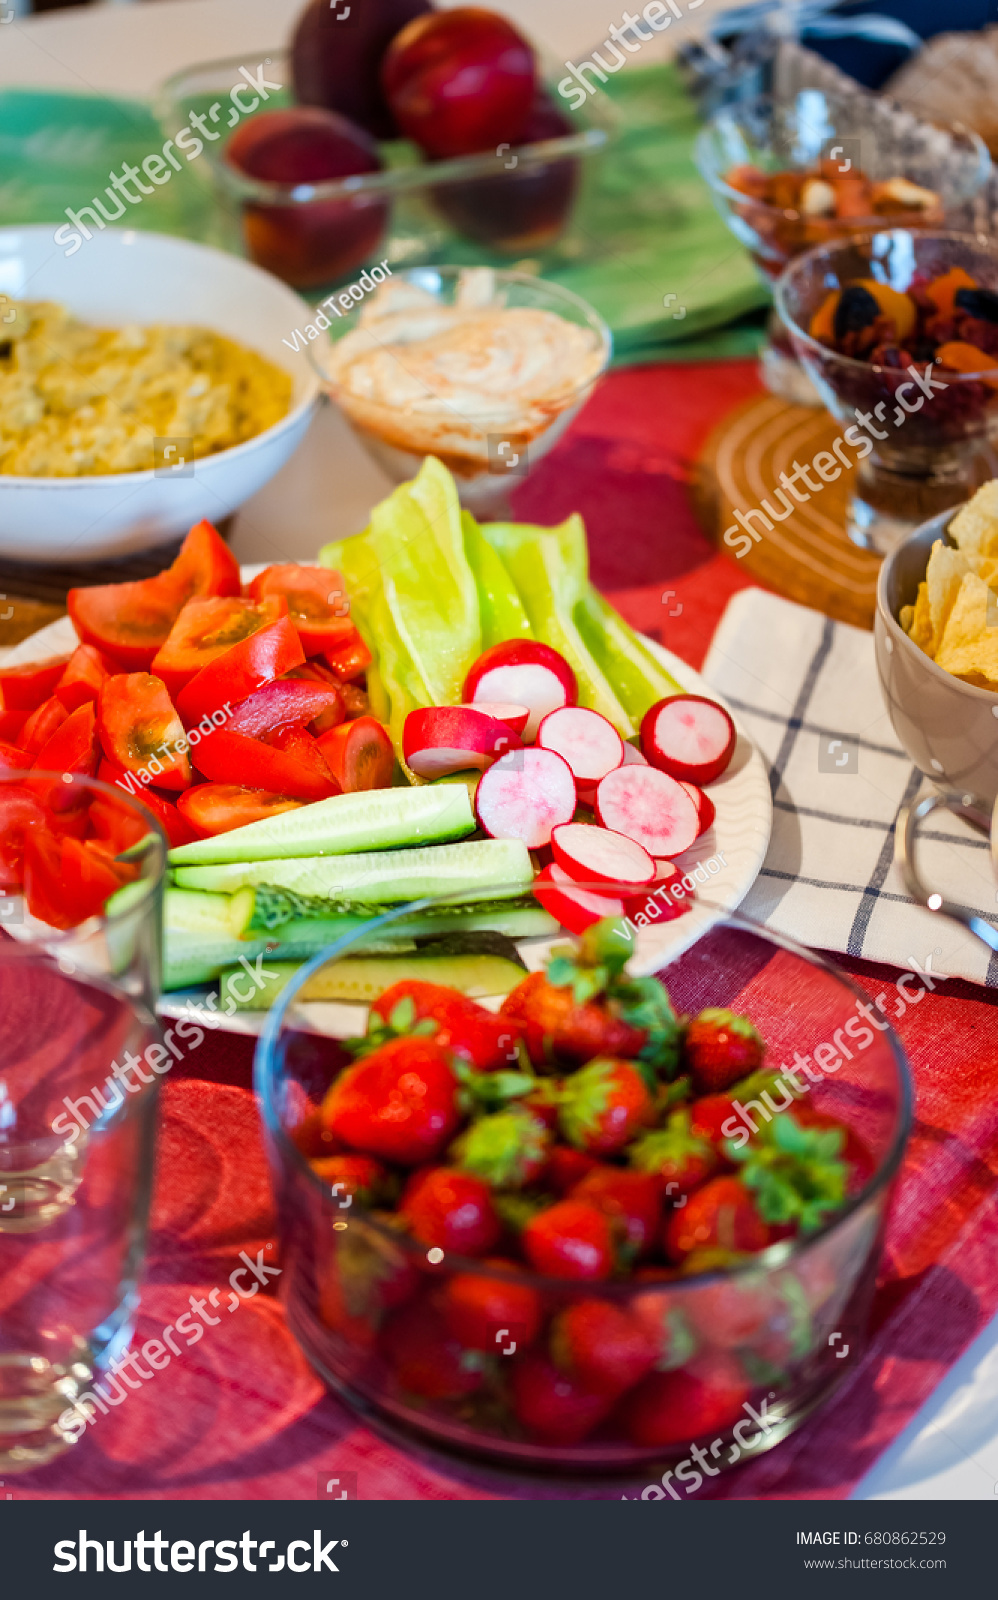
<point>596,855</point>
<point>439,740</point>
<point>525,796</point>
<point>523,672</point>
<point>703,803</point>
<point>650,807</point>
<point>515,717</point>
<point>688,736</point>
<point>588,742</point>
<point>575,908</point>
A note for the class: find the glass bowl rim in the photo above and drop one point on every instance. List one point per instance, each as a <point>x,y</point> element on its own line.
<point>151,885</point>
<point>702,155</point>
<point>776,1256</point>
<point>979,240</point>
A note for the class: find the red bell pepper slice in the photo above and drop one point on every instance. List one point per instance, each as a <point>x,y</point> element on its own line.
<point>19,811</point>
<point>206,629</point>
<point>41,724</point>
<point>349,659</point>
<point>219,807</point>
<point>290,763</point>
<point>232,677</point>
<point>359,754</point>
<point>24,688</point>
<point>116,822</point>
<point>73,746</point>
<point>141,731</point>
<point>11,723</point>
<point>64,881</point>
<point>14,759</point>
<point>317,603</point>
<point>283,703</point>
<point>81,681</point>
<point>130,621</point>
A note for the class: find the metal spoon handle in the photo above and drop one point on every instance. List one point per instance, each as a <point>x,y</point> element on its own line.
<point>909,824</point>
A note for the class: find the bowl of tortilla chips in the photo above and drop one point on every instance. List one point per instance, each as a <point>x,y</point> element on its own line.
<point>936,635</point>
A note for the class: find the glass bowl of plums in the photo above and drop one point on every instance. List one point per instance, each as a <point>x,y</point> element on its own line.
<point>898,331</point>
<point>790,174</point>
<point>385,133</point>
<point>546,1208</point>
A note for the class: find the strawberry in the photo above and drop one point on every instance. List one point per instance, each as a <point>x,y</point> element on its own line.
<point>313,1138</point>
<point>400,1103</point>
<point>567,1167</point>
<point>476,1308</point>
<point>428,1361</point>
<point>680,1407</point>
<point>733,1312</point>
<point>558,1029</point>
<point>463,1026</point>
<point>452,1210</point>
<point>360,1178</point>
<point>676,1156</point>
<point>720,1047</point>
<point>794,1171</point>
<point>551,1406</point>
<point>507,1149</point>
<point>722,1213</point>
<point>858,1158</point>
<point>601,1345</point>
<point>603,1105</point>
<point>661,1313</point>
<point>630,1199</point>
<point>364,1277</point>
<point>570,1239</point>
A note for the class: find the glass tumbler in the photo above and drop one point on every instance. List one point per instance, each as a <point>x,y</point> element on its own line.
<point>80,1059</point>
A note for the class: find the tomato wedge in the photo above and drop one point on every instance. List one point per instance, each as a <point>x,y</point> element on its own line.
<point>206,629</point>
<point>349,659</point>
<point>116,822</point>
<point>64,881</point>
<point>41,724</point>
<point>24,688</point>
<point>285,702</point>
<point>317,603</point>
<point>290,763</point>
<point>141,732</point>
<point>359,754</point>
<point>82,679</point>
<point>232,676</point>
<point>219,807</point>
<point>11,723</point>
<point>19,810</point>
<point>73,746</point>
<point>130,621</point>
<point>14,759</point>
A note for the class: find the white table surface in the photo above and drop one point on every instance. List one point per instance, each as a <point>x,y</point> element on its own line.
<point>950,1450</point>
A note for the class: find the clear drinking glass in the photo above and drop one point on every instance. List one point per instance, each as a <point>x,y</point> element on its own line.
<point>78,1038</point>
<point>363,1297</point>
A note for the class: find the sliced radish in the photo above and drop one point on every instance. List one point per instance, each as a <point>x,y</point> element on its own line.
<point>688,736</point>
<point>703,803</point>
<point>633,756</point>
<point>595,855</point>
<point>657,904</point>
<point>515,717</point>
<point>439,740</point>
<point>648,806</point>
<point>525,795</point>
<point>589,743</point>
<point>575,908</point>
<point>523,672</point>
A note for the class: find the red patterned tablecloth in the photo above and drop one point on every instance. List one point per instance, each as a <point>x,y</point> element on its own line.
<point>240,1415</point>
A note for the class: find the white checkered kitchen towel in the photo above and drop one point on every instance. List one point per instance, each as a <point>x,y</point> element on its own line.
<point>806,690</point>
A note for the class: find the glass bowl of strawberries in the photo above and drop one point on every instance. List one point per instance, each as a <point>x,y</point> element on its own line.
<point>590,1221</point>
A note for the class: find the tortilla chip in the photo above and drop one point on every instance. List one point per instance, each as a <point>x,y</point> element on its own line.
<point>970,641</point>
<point>943,575</point>
<point>906,617</point>
<point>920,631</point>
<point>974,529</point>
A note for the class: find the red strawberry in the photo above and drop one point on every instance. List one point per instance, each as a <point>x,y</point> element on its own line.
<point>601,1345</point>
<point>477,1308</point>
<point>567,1167</point>
<point>465,1027</point>
<point>359,1177</point>
<point>428,1361</point>
<point>676,1156</point>
<point>732,1313</point>
<point>708,1117</point>
<point>683,1406</point>
<point>452,1210</point>
<point>399,1103</point>
<point>603,1105</point>
<point>720,1047</point>
<point>507,1149</point>
<point>722,1214</point>
<point>661,1312</point>
<point>570,1239</point>
<point>559,1028</point>
<point>313,1138</point>
<point>550,1405</point>
<point>630,1199</point>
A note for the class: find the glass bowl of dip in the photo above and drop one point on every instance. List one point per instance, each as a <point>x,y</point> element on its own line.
<point>484,369</point>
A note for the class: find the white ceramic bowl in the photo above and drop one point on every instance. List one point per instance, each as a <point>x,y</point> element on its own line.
<point>121,276</point>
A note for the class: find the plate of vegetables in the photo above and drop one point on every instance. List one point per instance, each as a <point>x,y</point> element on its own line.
<point>435,710</point>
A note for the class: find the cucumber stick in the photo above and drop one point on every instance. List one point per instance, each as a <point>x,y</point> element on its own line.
<point>207,916</point>
<point>364,978</point>
<point>375,819</point>
<point>481,869</point>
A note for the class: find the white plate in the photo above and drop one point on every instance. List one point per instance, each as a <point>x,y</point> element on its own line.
<point>735,846</point>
